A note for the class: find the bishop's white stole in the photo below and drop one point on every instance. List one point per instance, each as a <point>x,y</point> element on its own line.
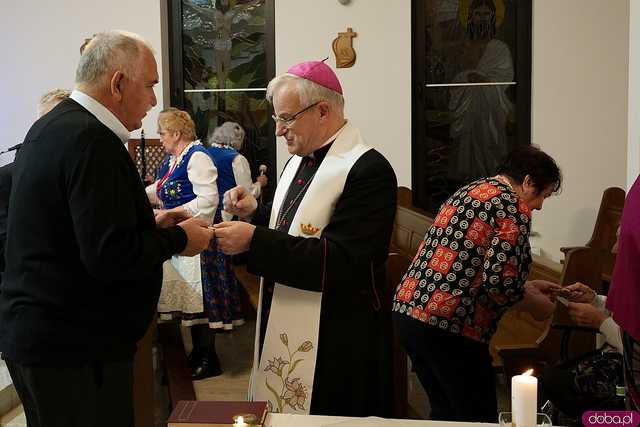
<point>283,376</point>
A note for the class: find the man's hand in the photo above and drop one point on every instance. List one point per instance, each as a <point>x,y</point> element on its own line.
<point>578,292</point>
<point>262,180</point>
<point>169,218</point>
<point>585,314</point>
<point>545,287</point>
<point>234,237</point>
<point>238,201</point>
<point>198,236</point>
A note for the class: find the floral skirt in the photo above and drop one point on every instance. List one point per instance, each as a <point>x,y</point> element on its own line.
<point>220,294</point>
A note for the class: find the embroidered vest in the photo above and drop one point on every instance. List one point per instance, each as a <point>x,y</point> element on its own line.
<point>177,189</point>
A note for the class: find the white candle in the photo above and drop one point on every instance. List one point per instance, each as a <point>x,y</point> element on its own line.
<point>524,399</point>
<point>240,422</point>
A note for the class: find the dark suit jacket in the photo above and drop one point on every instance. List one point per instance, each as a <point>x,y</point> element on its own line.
<point>84,256</point>
<point>5,190</point>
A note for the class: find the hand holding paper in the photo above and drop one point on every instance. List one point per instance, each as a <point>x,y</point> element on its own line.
<point>578,292</point>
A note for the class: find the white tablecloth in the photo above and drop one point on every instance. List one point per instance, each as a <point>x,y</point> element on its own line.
<point>289,420</point>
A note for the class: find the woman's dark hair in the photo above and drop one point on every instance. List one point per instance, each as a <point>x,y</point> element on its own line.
<point>530,160</point>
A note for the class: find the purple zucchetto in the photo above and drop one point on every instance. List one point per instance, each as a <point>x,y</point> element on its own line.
<point>317,72</point>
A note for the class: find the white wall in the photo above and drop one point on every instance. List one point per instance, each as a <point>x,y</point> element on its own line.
<point>579,109</point>
<point>40,42</point>
<point>633,140</point>
<point>582,114</point>
<point>377,88</point>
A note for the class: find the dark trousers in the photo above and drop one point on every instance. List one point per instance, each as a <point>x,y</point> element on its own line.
<point>455,371</point>
<point>93,395</point>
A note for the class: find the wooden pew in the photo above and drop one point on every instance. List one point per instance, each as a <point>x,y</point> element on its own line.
<point>604,231</point>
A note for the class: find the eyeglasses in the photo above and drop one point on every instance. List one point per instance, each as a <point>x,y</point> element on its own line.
<point>288,121</point>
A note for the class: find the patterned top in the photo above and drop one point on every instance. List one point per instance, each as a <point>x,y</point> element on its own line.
<point>472,264</point>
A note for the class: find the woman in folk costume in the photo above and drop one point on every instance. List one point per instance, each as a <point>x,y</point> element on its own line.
<point>233,167</point>
<point>199,290</point>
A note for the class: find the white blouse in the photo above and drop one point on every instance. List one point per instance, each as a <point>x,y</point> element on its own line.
<point>203,174</point>
<point>609,328</point>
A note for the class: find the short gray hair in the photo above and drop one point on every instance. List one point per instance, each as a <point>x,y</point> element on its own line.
<point>308,91</point>
<point>109,52</point>
<point>51,99</point>
<point>229,133</point>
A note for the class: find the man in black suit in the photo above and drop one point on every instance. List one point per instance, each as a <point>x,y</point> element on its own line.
<point>5,190</point>
<point>46,103</point>
<point>84,252</point>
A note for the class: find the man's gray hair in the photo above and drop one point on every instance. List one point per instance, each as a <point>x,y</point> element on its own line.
<point>107,53</point>
<point>308,91</point>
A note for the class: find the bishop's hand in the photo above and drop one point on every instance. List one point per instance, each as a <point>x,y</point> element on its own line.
<point>240,202</point>
<point>234,237</point>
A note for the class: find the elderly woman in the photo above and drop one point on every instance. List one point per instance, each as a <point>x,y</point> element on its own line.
<point>233,167</point>
<point>470,268</point>
<point>199,290</point>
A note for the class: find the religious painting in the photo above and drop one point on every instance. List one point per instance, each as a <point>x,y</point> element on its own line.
<point>472,96</point>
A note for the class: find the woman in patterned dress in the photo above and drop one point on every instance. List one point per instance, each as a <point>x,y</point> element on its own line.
<point>200,290</point>
<point>470,268</point>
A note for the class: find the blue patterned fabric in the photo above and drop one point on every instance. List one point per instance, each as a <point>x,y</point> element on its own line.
<point>177,189</point>
<point>223,158</point>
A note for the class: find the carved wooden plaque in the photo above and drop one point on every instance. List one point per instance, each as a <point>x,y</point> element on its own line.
<point>343,49</point>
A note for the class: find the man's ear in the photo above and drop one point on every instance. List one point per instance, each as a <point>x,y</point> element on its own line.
<point>116,85</point>
<point>324,108</point>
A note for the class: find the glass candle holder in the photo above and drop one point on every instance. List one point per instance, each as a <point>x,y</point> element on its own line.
<point>505,420</point>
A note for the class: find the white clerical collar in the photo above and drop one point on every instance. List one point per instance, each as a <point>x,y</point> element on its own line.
<point>333,137</point>
<point>105,116</point>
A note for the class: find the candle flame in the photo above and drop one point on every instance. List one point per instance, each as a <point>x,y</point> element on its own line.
<point>528,373</point>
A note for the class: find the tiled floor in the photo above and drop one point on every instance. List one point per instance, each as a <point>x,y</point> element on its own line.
<point>235,349</point>
<point>15,418</point>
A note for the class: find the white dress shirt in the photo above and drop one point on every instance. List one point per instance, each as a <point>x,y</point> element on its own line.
<point>101,112</point>
<point>609,328</point>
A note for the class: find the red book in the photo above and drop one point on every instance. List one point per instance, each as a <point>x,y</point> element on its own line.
<point>200,413</point>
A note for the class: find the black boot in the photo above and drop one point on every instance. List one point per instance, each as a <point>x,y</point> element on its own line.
<point>209,366</point>
<point>195,357</point>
